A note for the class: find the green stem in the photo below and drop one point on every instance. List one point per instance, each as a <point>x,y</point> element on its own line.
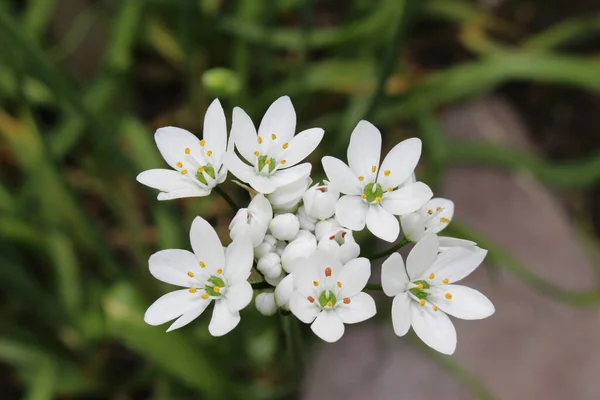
<point>226,197</point>
<point>373,286</point>
<point>389,251</point>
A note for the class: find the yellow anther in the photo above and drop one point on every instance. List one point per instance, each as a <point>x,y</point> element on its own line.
<point>432,276</point>
<point>273,136</point>
<point>315,283</point>
<point>373,168</point>
<point>259,140</point>
<point>179,164</point>
<point>420,286</point>
<point>438,209</point>
<point>430,212</point>
<point>190,274</point>
<point>217,289</point>
<point>285,146</point>
<point>282,162</point>
<point>187,150</point>
<point>202,142</point>
<point>256,153</point>
<point>444,220</point>
<point>435,308</point>
<point>448,296</point>
<point>387,172</point>
<point>339,284</point>
<point>184,171</point>
<point>422,302</point>
<point>219,271</point>
<point>361,178</point>
<point>192,290</point>
<point>378,199</point>
<point>390,189</point>
<point>329,304</point>
<point>201,169</point>
<point>445,281</point>
<point>268,162</point>
<point>205,296</point>
<point>364,196</point>
<point>209,153</point>
<point>202,265</point>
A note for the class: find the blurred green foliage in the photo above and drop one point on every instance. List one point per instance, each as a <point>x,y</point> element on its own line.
<point>76,229</point>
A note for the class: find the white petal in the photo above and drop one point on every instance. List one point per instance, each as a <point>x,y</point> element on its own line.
<point>302,145</point>
<point>446,242</point>
<point>303,309</point>
<point>434,328</point>
<point>382,223</point>
<point>238,261</point>
<point>305,273</point>
<point>172,142</point>
<point>171,266</point>
<point>244,134</point>
<point>328,326</point>
<point>457,262</point>
<point>400,162</point>
<point>354,276</point>
<point>401,313</point>
<point>223,319</point>
<point>351,212</point>
<point>206,244</point>
<point>361,307</point>
<point>284,290</point>
<point>238,296</point>
<point>262,184</point>
<point>166,180</point>
<point>466,303</point>
<point>183,193</point>
<point>441,219</point>
<point>261,209</point>
<point>215,131</point>
<point>413,226</point>
<point>286,176</point>
<point>364,150</point>
<point>189,316</point>
<point>340,176</point>
<point>393,275</point>
<point>407,199</point>
<point>422,256</point>
<point>237,167</point>
<point>171,306</point>
<point>280,119</point>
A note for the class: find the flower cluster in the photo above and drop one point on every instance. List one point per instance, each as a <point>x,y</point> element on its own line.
<point>298,236</point>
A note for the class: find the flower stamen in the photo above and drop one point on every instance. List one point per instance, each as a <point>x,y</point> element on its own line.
<point>315,283</point>
<point>202,142</point>
<point>448,296</point>
<point>187,150</point>
<point>346,300</point>
<point>179,164</point>
<point>445,281</point>
<point>190,274</point>
<point>285,146</point>
<point>192,290</point>
<point>328,271</point>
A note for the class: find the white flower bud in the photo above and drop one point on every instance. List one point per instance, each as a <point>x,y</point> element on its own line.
<point>284,226</point>
<point>252,222</point>
<point>303,233</point>
<point>320,201</point>
<point>265,303</point>
<point>306,221</point>
<point>433,217</point>
<point>284,291</point>
<point>268,245</point>
<point>340,244</point>
<point>269,265</point>
<point>286,198</point>
<point>303,246</point>
<point>328,227</point>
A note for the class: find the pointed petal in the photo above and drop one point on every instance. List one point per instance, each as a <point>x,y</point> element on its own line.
<point>353,276</point>
<point>223,319</point>
<point>244,134</point>
<point>361,308</point>
<point>364,150</point>
<point>189,316</point>
<point>351,212</point>
<point>393,275</point>
<point>413,226</point>
<point>340,176</point>
<point>237,167</point>
<point>401,313</point>
<point>303,309</point>
<point>206,244</point>
<point>302,145</point>
<point>400,162</point>
<point>280,119</point>
<point>328,326</point>
<point>422,256</point>
<point>172,142</point>
<point>171,266</point>
<point>447,242</point>
<point>407,199</point>
<point>166,180</point>
<point>183,193</point>
<point>238,261</point>
<point>466,303</point>
<point>215,131</point>
<point>238,296</point>
<point>261,209</point>
<point>382,223</point>
<point>457,262</point>
<point>434,328</point>
<point>171,306</point>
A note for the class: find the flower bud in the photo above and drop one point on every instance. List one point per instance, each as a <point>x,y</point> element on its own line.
<point>433,217</point>
<point>306,221</point>
<point>252,222</point>
<point>301,247</point>
<point>286,198</point>
<point>340,244</point>
<point>269,265</point>
<point>320,201</point>
<point>284,291</point>
<point>284,226</point>
<point>268,245</point>
<point>265,303</point>
<point>327,227</point>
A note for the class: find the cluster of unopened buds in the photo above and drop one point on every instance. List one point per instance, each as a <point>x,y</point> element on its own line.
<point>297,238</point>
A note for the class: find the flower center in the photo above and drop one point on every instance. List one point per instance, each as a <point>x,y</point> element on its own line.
<point>327,298</point>
<point>208,169</point>
<point>372,192</point>
<point>418,291</point>
<point>265,160</point>
<point>213,286</point>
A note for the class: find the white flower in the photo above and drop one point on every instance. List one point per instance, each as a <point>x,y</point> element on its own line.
<point>328,295</point>
<point>286,198</point>
<point>284,226</point>
<point>273,153</point>
<point>341,244</point>
<point>198,164</point>
<point>252,222</point>
<point>265,303</point>
<point>269,265</point>
<point>303,246</point>
<point>376,194</point>
<point>306,221</point>
<point>208,274</point>
<point>433,217</point>
<point>323,228</point>
<point>424,292</point>
<point>320,200</point>
<point>268,245</point>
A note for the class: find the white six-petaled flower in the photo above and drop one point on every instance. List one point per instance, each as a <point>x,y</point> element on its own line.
<point>272,155</point>
<point>198,164</point>
<point>424,291</point>
<point>328,294</point>
<point>208,274</point>
<point>433,217</point>
<point>374,194</point>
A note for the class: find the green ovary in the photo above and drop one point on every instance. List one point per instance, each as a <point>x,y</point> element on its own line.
<point>327,298</point>
<point>216,283</point>
<point>372,192</point>
<point>263,160</point>
<point>210,171</point>
<point>419,294</point>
